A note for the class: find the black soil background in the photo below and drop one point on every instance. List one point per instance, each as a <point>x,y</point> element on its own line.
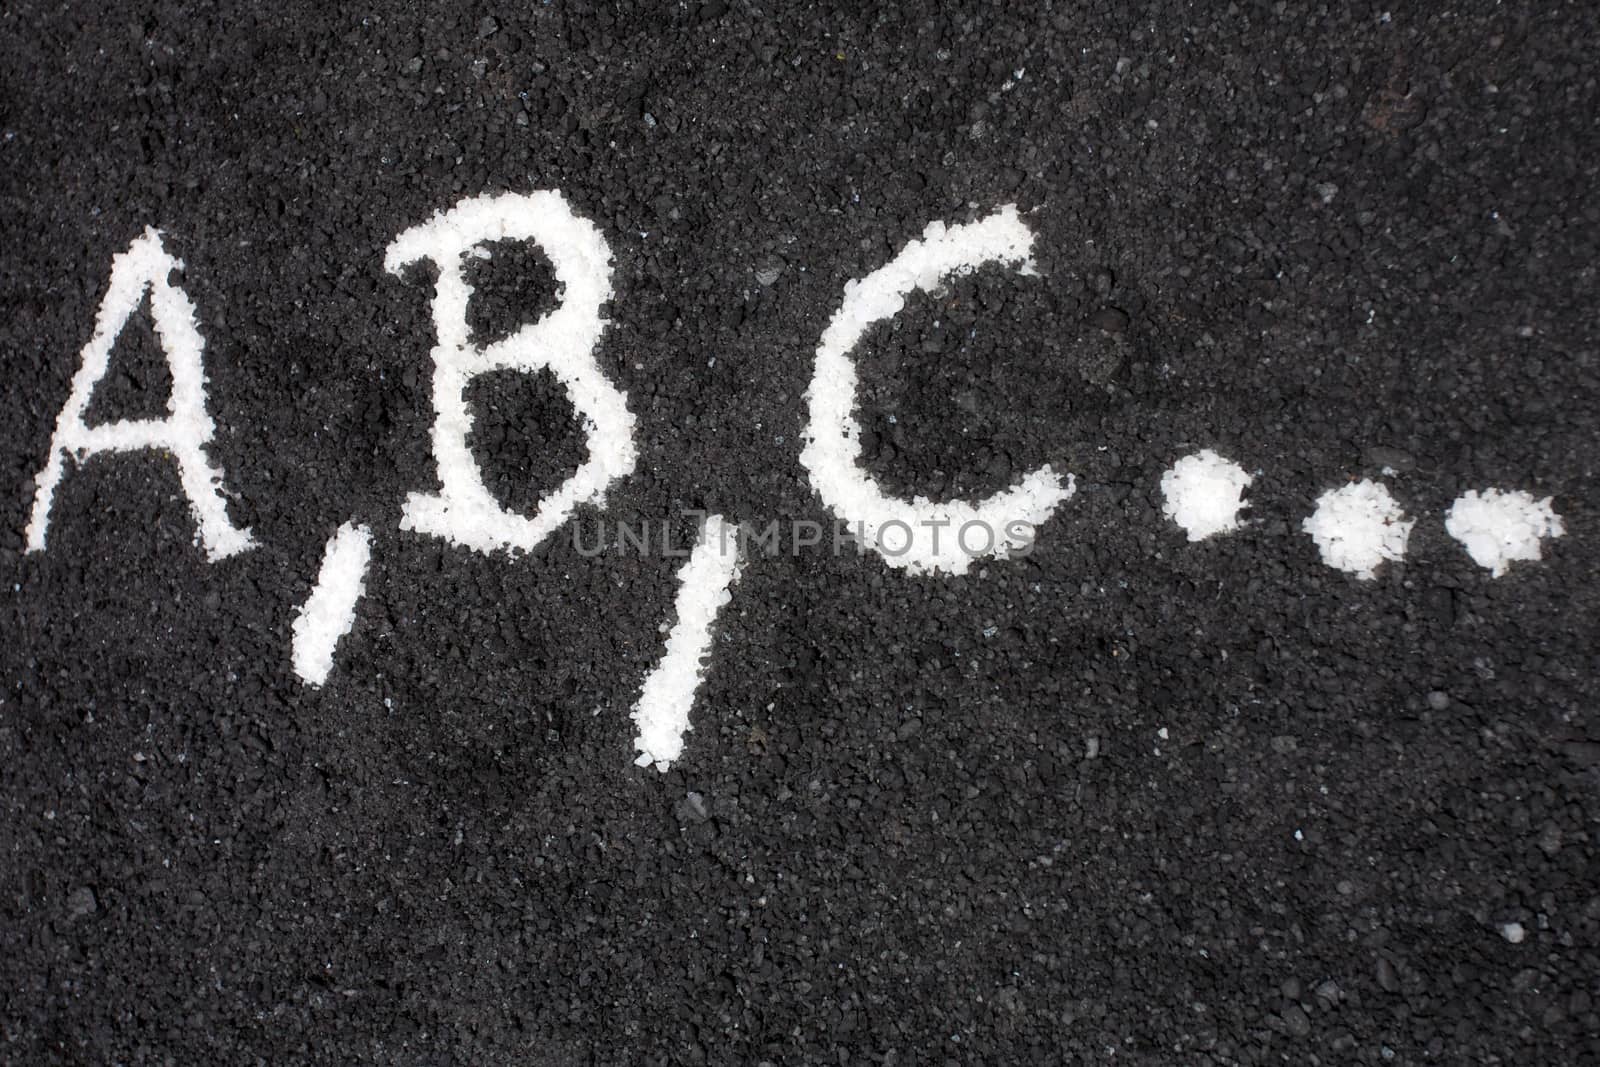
<point>933,819</point>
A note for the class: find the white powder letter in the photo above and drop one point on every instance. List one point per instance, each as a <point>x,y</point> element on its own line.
<point>921,535</point>
<point>1203,494</point>
<point>330,610</point>
<point>704,586</point>
<point>464,511</point>
<point>1498,528</point>
<point>1357,527</point>
<point>187,428</point>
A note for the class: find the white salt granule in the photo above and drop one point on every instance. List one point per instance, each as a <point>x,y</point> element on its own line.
<point>907,533</point>
<point>330,610</point>
<point>1204,494</point>
<point>704,586</point>
<point>1357,527</point>
<point>1499,528</point>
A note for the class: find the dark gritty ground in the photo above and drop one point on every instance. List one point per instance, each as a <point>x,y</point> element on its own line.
<point>1320,244</point>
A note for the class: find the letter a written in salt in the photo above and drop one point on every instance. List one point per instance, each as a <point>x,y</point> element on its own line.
<point>186,430</point>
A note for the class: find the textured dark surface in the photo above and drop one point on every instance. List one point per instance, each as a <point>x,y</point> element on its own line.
<point>1305,239</point>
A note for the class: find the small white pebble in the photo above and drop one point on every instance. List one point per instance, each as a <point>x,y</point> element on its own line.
<point>1513,932</point>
